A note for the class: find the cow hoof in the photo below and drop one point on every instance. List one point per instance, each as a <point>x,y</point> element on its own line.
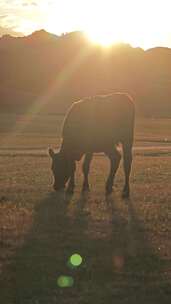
<point>70,191</point>
<point>109,191</point>
<point>85,189</point>
<point>125,194</point>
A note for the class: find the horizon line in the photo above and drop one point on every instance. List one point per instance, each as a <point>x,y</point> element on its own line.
<point>25,35</point>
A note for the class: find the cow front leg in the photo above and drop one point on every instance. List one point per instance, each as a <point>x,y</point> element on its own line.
<point>71,183</point>
<point>86,168</point>
<point>115,158</point>
<point>127,154</point>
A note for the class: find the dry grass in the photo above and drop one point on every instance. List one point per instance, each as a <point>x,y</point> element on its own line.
<point>125,246</point>
<point>40,131</point>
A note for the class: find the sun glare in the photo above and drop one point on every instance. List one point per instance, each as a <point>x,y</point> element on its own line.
<point>141,23</point>
<point>127,22</point>
<point>104,37</point>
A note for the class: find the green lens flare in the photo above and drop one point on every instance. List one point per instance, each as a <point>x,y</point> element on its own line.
<point>75,260</point>
<point>65,281</point>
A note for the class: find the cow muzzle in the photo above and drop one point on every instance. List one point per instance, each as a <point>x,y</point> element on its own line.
<point>58,187</point>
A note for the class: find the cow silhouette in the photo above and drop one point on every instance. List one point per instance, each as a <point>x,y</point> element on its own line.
<point>93,125</point>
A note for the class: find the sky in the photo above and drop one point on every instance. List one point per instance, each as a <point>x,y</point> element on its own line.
<point>143,23</point>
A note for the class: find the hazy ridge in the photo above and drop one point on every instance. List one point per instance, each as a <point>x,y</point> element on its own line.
<point>52,72</point>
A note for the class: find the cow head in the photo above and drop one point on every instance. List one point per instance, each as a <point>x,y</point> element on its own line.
<point>60,168</point>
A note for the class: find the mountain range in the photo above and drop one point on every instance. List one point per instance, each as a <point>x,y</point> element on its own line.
<point>49,72</point>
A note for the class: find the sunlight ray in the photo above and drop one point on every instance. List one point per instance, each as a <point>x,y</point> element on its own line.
<point>42,101</point>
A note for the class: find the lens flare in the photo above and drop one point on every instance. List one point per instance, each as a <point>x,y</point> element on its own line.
<point>118,262</point>
<point>65,281</point>
<point>75,260</point>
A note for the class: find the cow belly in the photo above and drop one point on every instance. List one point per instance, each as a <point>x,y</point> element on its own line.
<point>97,144</point>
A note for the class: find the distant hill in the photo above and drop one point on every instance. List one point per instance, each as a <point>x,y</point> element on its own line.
<point>53,71</point>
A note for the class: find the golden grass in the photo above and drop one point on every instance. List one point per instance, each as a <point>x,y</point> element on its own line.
<point>125,246</point>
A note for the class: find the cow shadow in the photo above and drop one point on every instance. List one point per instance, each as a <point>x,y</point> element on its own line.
<point>119,267</point>
<point>43,258</point>
<point>140,269</point>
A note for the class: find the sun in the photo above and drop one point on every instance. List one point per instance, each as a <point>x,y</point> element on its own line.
<point>103,37</point>
<point>103,26</point>
<point>141,23</point>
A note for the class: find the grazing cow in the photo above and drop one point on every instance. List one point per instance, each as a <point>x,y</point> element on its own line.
<point>92,125</point>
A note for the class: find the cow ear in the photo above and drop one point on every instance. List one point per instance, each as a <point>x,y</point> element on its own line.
<point>51,153</point>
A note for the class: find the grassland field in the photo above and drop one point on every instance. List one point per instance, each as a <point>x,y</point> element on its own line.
<point>125,245</point>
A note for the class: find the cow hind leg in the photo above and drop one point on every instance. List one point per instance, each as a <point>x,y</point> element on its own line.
<point>71,183</point>
<point>127,154</point>
<point>115,158</point>
<point>86,168</point>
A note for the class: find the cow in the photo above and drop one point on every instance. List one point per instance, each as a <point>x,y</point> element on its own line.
<point>94,125</point>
